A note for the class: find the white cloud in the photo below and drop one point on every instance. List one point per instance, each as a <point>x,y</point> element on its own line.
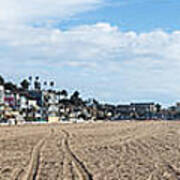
<point>119,64</point>
<point>23,11</point>
<point>98,42</point>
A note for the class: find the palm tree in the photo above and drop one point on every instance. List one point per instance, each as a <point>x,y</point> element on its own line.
<point>30,80</point>
<point>37,78</point>
<point>52,84</point>
<point>45,84</point>
<point>37,84</point>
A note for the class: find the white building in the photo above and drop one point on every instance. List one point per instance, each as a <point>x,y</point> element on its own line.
<point>53,98</point>
<point>32,103</point>
<point>23,102</point>
<point>2,94</point>
<point>178,107</point>
<point>50,98</point>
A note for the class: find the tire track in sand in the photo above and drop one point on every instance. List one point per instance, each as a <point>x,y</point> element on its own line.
<point>67,168</point>
<point>31,171</point>
<point>16,175</point>
<point>82,171</point>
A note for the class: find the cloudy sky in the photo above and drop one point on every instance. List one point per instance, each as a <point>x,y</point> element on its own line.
<point>115,50</point>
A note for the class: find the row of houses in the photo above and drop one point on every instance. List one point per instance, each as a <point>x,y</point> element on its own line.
<point>136,111</point>
<point>52,106</point>
<point>41,105</point>
<point>146,111</point>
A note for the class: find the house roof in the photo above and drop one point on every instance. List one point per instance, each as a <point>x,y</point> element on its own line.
<point>141,104</point>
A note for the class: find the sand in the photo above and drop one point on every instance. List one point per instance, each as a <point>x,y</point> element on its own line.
<point>98,151</point>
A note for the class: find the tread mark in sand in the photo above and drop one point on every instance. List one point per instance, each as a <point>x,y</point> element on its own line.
<point>17,174</point>
<point>80,167</point>
<point>32,169</point>
<point>33,166</point>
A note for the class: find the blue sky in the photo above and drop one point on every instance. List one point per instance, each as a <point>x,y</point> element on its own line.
<point>116,51</point>
<point>133,15</point>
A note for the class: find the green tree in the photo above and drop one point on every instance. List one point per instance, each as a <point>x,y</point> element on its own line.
<point>76,100</point>
<point>75,95</point>
<point>25,84</point>
<point>10,86</point>
<point>64,93</point>
<point>158,108</point>
<point>1,80</point>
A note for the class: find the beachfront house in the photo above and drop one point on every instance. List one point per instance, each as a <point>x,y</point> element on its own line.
<point>2,94</point>
<point>9,98</point>
<point>144,110</point>
<point>23,102</point>
<point>123,112</point>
